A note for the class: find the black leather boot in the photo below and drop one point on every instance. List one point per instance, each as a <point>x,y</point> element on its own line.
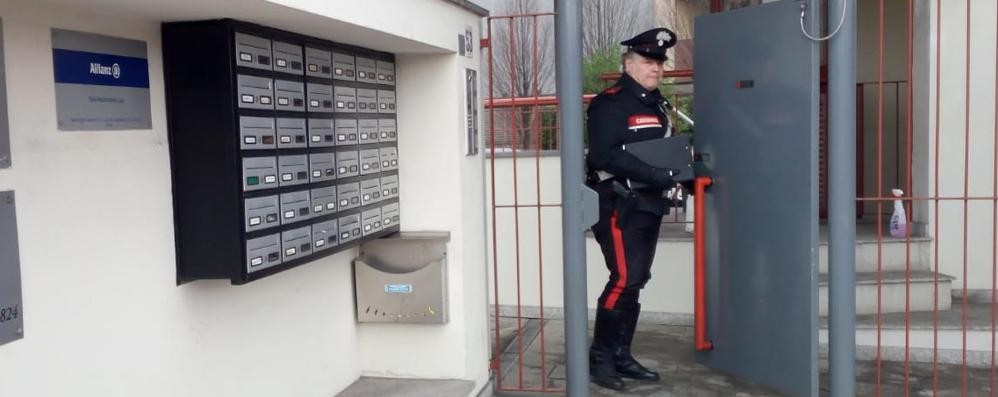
<point>606,333</point>
<point>624,362</point>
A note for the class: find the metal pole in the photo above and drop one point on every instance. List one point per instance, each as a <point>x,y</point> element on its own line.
<point>568,39</point>
<point>842,202</point>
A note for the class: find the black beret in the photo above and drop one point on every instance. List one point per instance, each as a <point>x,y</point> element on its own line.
<point>652,43</point>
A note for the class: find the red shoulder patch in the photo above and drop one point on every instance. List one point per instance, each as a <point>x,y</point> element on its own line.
<point>612,90</point>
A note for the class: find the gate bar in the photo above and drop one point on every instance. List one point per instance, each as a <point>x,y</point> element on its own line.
<point>700,273</point>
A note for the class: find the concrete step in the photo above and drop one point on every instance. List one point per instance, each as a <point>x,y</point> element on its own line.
<point>892,292</point>
<point>391,387</point>
<point>894,253</point>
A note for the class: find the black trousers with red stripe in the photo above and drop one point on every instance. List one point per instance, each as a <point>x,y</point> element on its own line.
<point>629,250</point>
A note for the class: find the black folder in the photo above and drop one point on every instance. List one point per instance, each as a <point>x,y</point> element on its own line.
<point>674,152</point>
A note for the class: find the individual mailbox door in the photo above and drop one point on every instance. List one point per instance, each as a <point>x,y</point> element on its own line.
<point>349,228</point>
<point>324,235</point>
<point>290,95</point>
<point>348,195</point>
<point>370,191</point>
<point>296,243</point>
<point>347,164</point>
<point>255,92</point>
<point>323,201</point>
<point>346,132</point>
<point>389,158</point>
<point>322,167</point>
<point>370,161</point>
<point>386,101</point>
<point>293,170</point>
<point>259,173</point>
<point>291,133</point>
<point>367,100</point>
<point>288,58</point>
<point>367,131</point>
<point>252,51</point>
<point>343,67</point>
<point>386,73</point>
<point>319,97</point>
<point>263,252</point>
<point>295,207</point>
<point>319,63</point>
<point>389,215</point>
<point>321,133</point>
<point>256,132</point>
<point>371,221</point>
<point>389,187</point>
<point>262,212</point>
<point>346,99</point>
<point>387,130</point>
<point>367,70</point>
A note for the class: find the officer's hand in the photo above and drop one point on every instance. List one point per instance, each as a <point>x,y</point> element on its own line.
<point>663,177</point>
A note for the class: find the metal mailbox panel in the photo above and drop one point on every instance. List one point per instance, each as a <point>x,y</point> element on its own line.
<point>256,133</point>
<point>319,63</point>
<point>319,97</point>
<point>386,73</point>
<point>386,101</point>
<point>252,52</point>
<point>389,215</point>
<point>370,161</point>
<point>296,243</point>
<point>389,187</point>
<point>290,95</point>
<point>387,130</point>
<point>367,131</point>
<point>322,167</point>
<point>288,58</point>
<point>325,235</point>
<point>291,133</point>
<point>295,207</point>
<point>346,132</point>
<point>255,92</point>
<point>321,133</point>
<point>344,67</point>
<point>11,307</point>
<point>348,195</point>
<point>371,221</point>
<point>323,201</point>
<point>346,99</point>
<point>367,100</point>
<point>367,70</point>
<point>347,164</point>
<point>259,173</point>
<point>370,191</point>
<point>389,158</point>
<point>262,212</point>
<point>263,252</point>
<point>349,228</point>
<point>293,170</point>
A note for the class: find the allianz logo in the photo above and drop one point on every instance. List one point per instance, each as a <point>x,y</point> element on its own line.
<point>98,69</point>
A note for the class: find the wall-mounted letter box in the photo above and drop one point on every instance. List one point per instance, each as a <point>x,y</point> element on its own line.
<point>318,63</point>
<point>343,67</point>
<point>321,133</point>
<point>367,70</point>
<point>288,58</point>
<point>256,132</point>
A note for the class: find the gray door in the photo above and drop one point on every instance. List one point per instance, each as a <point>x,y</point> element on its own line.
<point>756,103</point>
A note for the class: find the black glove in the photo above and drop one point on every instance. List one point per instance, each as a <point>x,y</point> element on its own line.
<point>663,177</point>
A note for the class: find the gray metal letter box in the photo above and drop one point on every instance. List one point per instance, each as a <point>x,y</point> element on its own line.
<point>389,187</point>
<point>343,67</point>
<point>346,99</point>
<point>290,95</point>
<point>386,73</point>
<point>389,215</point>
<point>252,51</point>
<point>346,132</point>
<point>288,58</point>
<point>389,158</point>
<point>256,132</point>
<point>371,221</point>
<point>293,170</point>
<point>321,133</point>
<point>255,92</point>
<point>370,161</point>
<point>259,173</point>
<point>348,195</point>
<point>322,167</point>
<point>349,228</point>
<point>370,191</point>
<point>325,235</point>
<point>11,306</point>
<point>367,101</point>
<point>323,200</point>
<point>403,279</point>
<point>367,70</point>
<point>262,212</point>
<point>296,243</point>
<point>320,98</point>
<point>319,63</point>
<point>367,130</point>
<point>386,128</point>
<point>386,101</point>
<point>263,252</point>
<point>347,164</point>
<point>295,207</point>
<point>291,133</point>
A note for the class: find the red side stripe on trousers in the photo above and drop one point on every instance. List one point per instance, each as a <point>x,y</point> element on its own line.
<point>618,249</point>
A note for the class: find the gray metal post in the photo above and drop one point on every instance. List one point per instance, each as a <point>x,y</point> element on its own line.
<point>568,36</point>
<point>842,201</point>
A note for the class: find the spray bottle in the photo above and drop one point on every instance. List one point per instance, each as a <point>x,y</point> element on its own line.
<point>899,221</point>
